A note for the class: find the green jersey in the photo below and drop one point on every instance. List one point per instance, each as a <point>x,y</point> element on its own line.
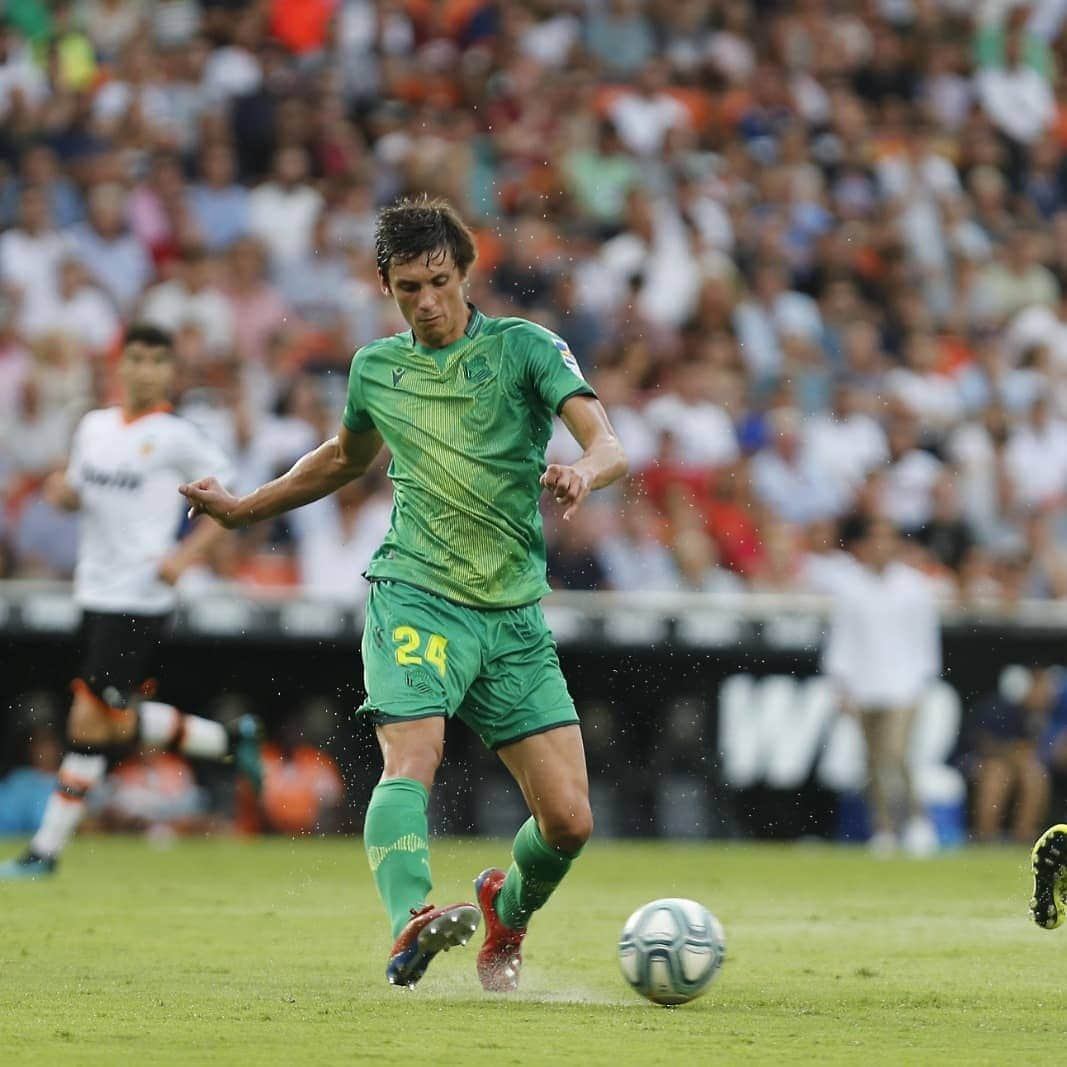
<point>467,426</point>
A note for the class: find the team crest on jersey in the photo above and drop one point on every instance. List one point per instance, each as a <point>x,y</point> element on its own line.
<point>147,448</point>
<point>568,356</point>
<point>476,369</point>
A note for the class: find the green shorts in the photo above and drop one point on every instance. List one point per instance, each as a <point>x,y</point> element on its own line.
<point>497,670</point>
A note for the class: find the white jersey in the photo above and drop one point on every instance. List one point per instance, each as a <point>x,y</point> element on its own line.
<point>884,644</point>
<point>127,474</point>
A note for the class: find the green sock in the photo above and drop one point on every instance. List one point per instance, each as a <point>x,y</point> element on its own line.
<point>536,870</point>
<point>395,835</point>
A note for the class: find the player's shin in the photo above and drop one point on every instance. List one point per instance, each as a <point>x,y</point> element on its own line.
<point>396,837</point>
<point>82,768</point>
<point>536,869</point>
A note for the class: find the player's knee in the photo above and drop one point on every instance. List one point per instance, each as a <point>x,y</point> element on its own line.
<point>568,827</point>
<point>418,761</point>
<point>88,724</point>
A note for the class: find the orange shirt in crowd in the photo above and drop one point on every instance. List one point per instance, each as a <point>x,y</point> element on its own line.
<point>297,789</point>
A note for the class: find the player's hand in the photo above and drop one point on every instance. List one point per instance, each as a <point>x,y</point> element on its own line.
<point>568,486</point>
<point>170,570</point>
<point>59,492</point>
<point>207,497</point>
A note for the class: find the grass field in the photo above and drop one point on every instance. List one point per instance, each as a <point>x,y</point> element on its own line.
<point>273,952</point>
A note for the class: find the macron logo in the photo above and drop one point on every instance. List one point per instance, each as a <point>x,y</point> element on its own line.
<point>398,373</point>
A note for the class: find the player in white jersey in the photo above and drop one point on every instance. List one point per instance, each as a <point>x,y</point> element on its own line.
<point>124,466</point>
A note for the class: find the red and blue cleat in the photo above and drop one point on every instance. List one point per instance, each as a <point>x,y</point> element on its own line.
<point>500,957</point>
<point>430,930</point>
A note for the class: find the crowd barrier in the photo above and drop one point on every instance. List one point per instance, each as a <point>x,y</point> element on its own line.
<point>703,716</point>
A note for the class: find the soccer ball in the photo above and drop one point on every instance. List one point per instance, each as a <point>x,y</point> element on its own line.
<point>671,949</point>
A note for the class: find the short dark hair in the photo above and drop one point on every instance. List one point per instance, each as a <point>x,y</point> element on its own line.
<point>144,333</point>
<point>421,225</point>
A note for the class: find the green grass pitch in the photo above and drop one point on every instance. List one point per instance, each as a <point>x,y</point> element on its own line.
<point>272,952</point>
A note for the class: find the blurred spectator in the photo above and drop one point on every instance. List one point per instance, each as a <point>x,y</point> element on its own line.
<point>1018,280</point>
<point>234,68</point>
<point>697,559</point>
<point>601,176</point>
<point>218,204</point>
<point>1012,82</point>
<point>572,555</point>
<point>192,298</point>
<point>337,536</point>
<point>22,83</point>
<point>77,308</point>
<point>645,115</point>
<point>302,786</point>
<point>620,36</point>
<point>1013,734</point>
<point>282,212</point>
<point>314,284</point>
<point>40,169</point>
<point>787,476</point>
<point>846,443</point>
<point>139,93</point>
<point>1036,458</point>
<point>112,24</point>
<point>111,254</point>
<point>633,556</point>
<point>699,428</point>
<point>257,308</point>
<point>30,256</point>
<point>769,317</point>
<point>908,485</point>
<point>154,792</point>
<point>15,368</point>
<point>946,535</point>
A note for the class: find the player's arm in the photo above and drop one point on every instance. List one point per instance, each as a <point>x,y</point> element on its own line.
<point>322,471</point>
<point>602,462</point>
<point>190,549</point>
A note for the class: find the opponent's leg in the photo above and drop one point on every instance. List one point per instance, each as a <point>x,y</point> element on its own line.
<point>396,837</point>
<point>164,726</point>
<point>1049,864</point>
<point>94,739</point>
<point>550,770</point>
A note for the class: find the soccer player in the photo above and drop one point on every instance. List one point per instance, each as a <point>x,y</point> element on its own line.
<point>1049,864</point>
<point>453,623</point>
<point>124,464</point>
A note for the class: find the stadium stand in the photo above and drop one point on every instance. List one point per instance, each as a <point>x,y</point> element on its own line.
<point>813,256</point>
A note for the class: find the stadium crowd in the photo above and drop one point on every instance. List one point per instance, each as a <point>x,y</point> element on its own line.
<point>812,256</point>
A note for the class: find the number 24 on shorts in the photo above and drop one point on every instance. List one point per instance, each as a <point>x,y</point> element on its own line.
<point>409,640</point>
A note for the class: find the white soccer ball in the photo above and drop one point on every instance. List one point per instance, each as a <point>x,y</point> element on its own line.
<point>671,949</point>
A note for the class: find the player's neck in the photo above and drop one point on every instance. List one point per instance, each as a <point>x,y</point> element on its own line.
<point>133,412</point>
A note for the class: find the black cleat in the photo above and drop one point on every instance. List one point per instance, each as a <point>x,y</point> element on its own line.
<point>1049,864</point>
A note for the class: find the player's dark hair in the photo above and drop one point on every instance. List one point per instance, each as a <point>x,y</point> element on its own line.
<point>144,333</point>
<point>420,226</point>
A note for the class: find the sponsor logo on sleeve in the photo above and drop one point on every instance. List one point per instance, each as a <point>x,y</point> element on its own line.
<point>568,356</point>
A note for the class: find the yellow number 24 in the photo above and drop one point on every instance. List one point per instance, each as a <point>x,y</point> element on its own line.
<point>408,641</point>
